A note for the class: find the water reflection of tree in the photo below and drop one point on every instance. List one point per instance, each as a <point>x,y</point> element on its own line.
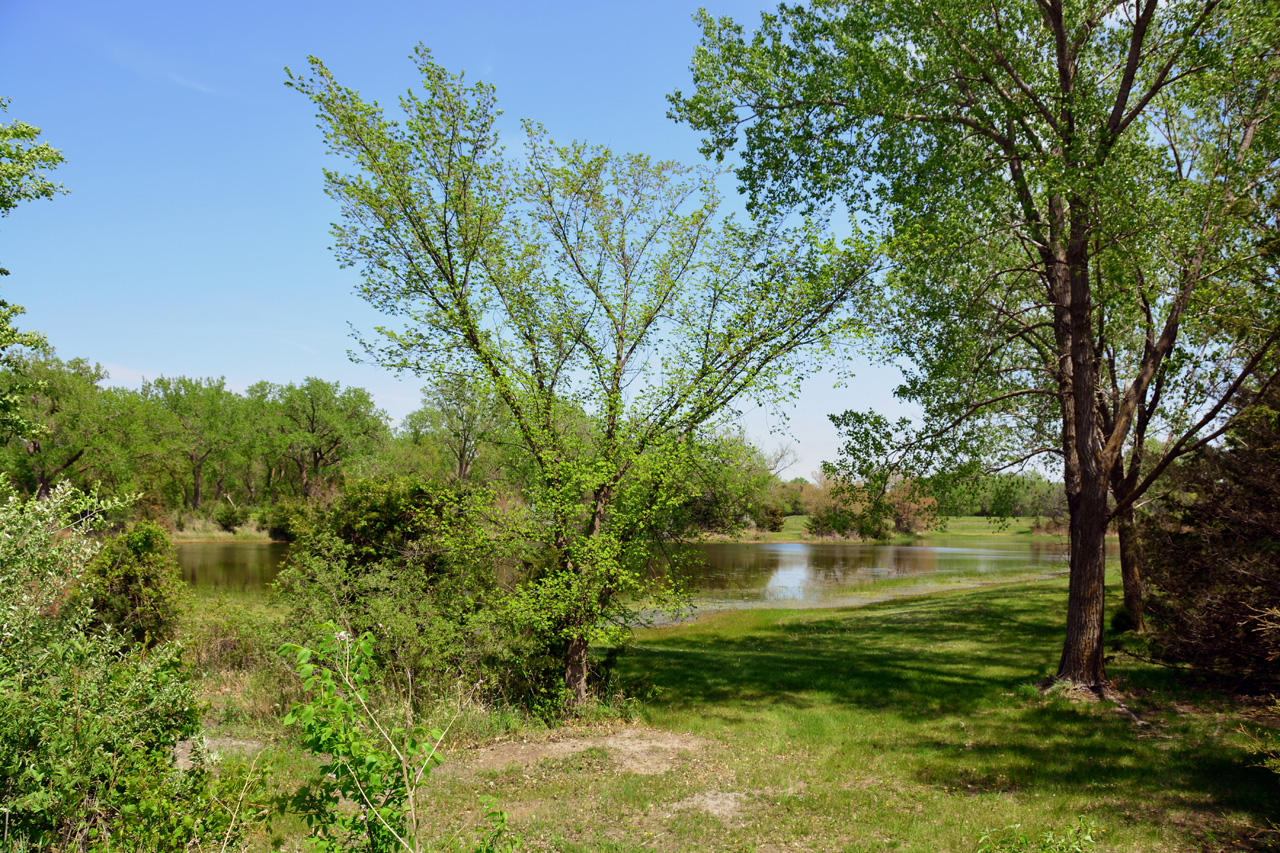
<point>242,565</point>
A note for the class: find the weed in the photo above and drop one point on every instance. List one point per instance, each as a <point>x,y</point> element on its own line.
<point>1077,838</point>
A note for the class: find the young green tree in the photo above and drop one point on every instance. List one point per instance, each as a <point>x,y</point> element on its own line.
<point>1079,202</point>
<point>598,295</point>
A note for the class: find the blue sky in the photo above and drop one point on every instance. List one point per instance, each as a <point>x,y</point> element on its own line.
<point>194,240</point>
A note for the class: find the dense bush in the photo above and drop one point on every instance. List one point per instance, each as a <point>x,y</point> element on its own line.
<point>286,520</point>
<point>1214,554</point>
<point>771,518</point>
<point>229,516</point>
<point>88,721</point>
<point>135,585</point>
<point>418,567</point>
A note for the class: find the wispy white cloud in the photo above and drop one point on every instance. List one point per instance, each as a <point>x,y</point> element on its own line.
<point>302,347</point>
<point>152,67</point>
<point>192,84</point>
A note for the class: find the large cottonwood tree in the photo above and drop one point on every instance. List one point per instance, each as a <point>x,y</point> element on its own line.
<point>600,297</point>
<point>1079,202</point>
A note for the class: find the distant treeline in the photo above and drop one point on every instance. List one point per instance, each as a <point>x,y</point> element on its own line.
<point>192,448</point>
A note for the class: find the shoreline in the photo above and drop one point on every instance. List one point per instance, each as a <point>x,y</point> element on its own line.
<point>845,602</point>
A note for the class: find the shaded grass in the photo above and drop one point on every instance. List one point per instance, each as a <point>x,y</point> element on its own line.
<point>914,724</point>
<point>910,725</point>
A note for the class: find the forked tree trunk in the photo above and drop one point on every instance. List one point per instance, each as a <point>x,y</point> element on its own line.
<point>1133,569</point>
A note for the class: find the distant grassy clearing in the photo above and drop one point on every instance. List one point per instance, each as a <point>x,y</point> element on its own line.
<point>794,530</point>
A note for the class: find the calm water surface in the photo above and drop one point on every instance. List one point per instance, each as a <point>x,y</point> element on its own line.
<point>830,574</point>
<point>736,574</point>
<point>230,565</point>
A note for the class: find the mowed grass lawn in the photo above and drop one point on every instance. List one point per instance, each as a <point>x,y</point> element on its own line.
<point>912,725</point>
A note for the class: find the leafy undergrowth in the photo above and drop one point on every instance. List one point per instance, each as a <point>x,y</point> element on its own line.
<point>914,725</point>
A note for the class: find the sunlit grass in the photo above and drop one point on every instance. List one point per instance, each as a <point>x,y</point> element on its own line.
<point>913,725</point>
<point>794,530</point>
<point>910,725</point>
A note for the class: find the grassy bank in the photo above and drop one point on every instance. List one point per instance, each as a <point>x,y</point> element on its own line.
<point>199,529</point>
<point>794,530</point>
<point>910,725</point>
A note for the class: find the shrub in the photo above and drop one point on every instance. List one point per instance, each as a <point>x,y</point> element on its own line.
<point>136,586</point>
<point>229,516</point>
<point>369,760</point>
<point>828,520</point>
<point>418,568</point>
<point>108,781</point>
<point>1214,556</point>
<point>771,518</point>
<point>286,520</point>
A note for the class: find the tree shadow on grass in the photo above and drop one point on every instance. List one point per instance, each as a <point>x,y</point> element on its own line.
<point>918,660</point>
<point>970,656</point>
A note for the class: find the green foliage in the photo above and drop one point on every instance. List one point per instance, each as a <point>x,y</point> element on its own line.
<point>287,519</point>
<point>314,427</point>
<point>731,485</point>
<point>229,516</point>
<point>193,424</point>
<point>23,174</point>
<point>1266,743</point>
<point>63,399</point>
<point>771,518</point>
<point>15,385</point>
<point>368,759</point>
<point>23,162</point>
<point>88,723</point>
<point>829,520</point>
<point>1076,838</point>
<point>597,294</point>
<point>418,567</point>
<point>1214,556</point>
<point>136,585</point>
<point>466,421</point>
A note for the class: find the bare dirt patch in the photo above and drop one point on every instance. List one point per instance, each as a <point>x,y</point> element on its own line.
<point>182,750</point>
<point>643,751</point>
<point>721,804</point>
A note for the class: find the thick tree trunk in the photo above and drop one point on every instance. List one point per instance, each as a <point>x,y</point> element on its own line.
<point>575,671</point>
<point>1132,569</point>
<point>1086,472</point>
<point>1082,662</point>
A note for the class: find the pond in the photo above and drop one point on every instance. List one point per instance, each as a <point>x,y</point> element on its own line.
<point>807,574</point>
<point>218,566</point>
<point>738,574</point>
